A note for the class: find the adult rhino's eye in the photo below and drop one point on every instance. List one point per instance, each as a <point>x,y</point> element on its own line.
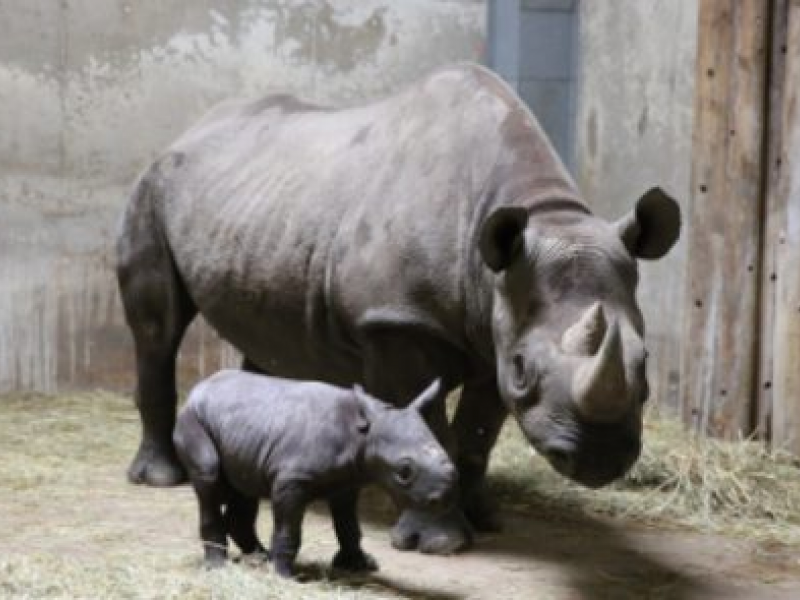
<point>645,394</point>
<point>519,374</point>
<point>645,386</point>
<point>404,474</point>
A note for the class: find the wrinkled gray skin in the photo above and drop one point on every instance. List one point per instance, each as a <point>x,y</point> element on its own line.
<point>431,234</point>
<point>243,436</point>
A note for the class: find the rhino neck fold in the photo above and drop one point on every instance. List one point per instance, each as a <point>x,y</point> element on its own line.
<point>539,193</point>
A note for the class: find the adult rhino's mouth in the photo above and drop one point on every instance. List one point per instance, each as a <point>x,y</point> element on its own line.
<point>596,457</point>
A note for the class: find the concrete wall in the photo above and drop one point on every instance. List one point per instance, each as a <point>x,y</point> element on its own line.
<point>634,130</point>
<point>90,90</point>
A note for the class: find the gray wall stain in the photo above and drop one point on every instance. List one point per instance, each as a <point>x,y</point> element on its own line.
<point>315,34</point>
<point>109,32</point>
<point>592,133</point>
<point>641,126</point>
<point>91,91</point>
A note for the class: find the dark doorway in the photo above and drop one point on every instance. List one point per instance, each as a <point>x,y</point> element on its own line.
<point>532,45</point>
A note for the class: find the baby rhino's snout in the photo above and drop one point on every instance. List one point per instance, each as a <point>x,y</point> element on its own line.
<point>443,485</point>
<point>441,499</point>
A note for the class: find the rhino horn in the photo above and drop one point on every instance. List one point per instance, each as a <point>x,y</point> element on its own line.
<point>599,386</point>
<point>585,336</point>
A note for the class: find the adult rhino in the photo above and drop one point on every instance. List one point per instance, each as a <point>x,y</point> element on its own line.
<point>431,234</point>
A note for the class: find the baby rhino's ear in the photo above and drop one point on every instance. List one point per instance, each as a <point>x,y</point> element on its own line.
<point>365,409</point>
<point>428,397</point>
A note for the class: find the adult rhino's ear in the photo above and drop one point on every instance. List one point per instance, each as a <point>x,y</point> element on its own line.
<point>366,408</point>
<point>652,227</point>
<point>428,396</point>
<point>501,236</point>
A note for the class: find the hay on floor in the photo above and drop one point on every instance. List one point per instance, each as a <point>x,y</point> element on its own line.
<point>54,448</point>
<point>681,478</point>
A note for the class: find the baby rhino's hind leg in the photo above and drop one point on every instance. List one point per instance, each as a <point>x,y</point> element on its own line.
<point>199,456</point>
<point>241,514</point>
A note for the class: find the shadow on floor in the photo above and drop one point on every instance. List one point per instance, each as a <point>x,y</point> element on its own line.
<point>370,582</point>
<point>600,559</point>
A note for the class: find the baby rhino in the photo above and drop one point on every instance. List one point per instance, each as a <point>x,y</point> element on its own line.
<point>243,436</point>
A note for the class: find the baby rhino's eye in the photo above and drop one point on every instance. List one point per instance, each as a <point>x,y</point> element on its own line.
<point>405,472</point>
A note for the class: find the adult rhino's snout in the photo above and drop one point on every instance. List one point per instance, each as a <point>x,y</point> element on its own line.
<point>588,463</point>
<point>562,457</point>
<point>599,386</point>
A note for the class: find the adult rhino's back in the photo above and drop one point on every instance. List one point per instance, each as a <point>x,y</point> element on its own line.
<point>290,224</point>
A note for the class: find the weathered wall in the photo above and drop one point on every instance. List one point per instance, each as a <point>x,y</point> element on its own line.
<point>90,90</point>
<point>634,131</point>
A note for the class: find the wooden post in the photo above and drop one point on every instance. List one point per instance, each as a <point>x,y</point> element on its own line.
<point>719,355</point>
<point>772,221</point>
<point>782,240</point>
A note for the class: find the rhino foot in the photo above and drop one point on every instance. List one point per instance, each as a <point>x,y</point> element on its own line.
<point>432,534</point>
<point>214,562</point>
<point>482,513</point>
<point>356,562</point>
<point>156,467</point>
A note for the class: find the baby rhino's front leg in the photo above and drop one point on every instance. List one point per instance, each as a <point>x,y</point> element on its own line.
<point>350,557</point>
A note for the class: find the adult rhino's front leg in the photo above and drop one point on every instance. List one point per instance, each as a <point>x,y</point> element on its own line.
<point>398,366</point>
<point>477,424</point>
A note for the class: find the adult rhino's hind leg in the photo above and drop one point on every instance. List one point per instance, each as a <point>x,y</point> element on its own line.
<point>158,311</point>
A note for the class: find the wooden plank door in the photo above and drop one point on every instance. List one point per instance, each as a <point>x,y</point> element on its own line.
<point>720,337</point>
